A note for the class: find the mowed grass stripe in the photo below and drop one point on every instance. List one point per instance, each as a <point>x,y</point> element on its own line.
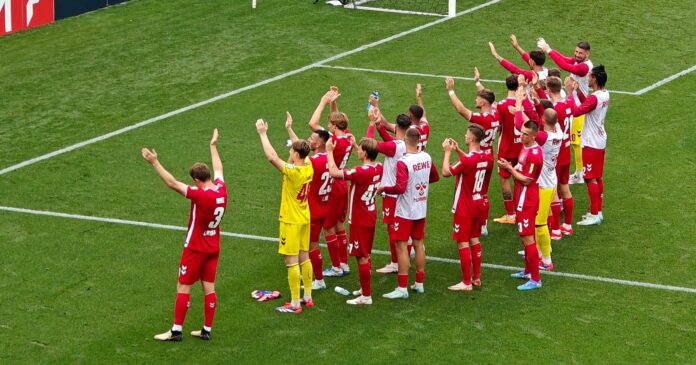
<point>380,252</point>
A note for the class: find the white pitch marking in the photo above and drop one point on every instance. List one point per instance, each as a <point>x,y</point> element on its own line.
<point>391,72</point>
<point>665,80</point>
<point>237,91</point>
<point>380,252</point>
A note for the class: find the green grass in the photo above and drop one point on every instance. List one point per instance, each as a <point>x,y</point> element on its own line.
<point>89,292</point>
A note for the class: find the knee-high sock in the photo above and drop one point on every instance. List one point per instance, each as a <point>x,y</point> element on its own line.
<point>181,306</point>
<point>600,184</point>
<point>306,272</point>
<point>332,247</point>
<point>509,207</point>
<point>465,264</point>
<point>317,263</point>
<point>555,217</point>
<point>392,250</point>
<point>531,258</point>
<point>342,247</point>
<point>568,205</point>
<point>420,276</point>
<point>402,280</point>
<point>544,240</point>
<point>365,272</point>
<point>210,302</point>
<point>294,281</point>
<point>577,151</point>
<point>593,192</point>
<point>477,259</point>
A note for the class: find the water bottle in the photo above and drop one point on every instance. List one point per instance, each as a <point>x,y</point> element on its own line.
<point>341,291</point>
<point>375,95</point>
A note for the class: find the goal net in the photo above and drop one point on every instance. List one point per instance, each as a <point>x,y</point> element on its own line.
<point>417,7</point>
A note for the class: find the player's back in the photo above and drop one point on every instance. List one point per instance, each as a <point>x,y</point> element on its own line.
<point>320,187</point>
<point>365,180</point>
<point>490,123</point>
<point>207,209</point>
<point>389,168</point>
<point>470,172</point>
<point>529,163</point>
<point>294,207</point>
<point>551,149</point>
<point>423,128</point>
<point>341,153</point>
<point>509,144</point>
<point>565,118</point>
<point>594,135</point>
<point>413,203</point>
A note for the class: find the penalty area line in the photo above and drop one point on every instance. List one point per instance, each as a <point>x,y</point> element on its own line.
<point>379,252</point>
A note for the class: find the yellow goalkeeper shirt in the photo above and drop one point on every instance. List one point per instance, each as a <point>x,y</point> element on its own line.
<point>294,208</point>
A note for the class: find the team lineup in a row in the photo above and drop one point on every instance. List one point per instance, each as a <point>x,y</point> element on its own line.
<point>535,122</point>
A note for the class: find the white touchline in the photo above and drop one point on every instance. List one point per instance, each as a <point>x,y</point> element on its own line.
<point>237,91</point>
<point>665,80</point>
<point>380,252</point>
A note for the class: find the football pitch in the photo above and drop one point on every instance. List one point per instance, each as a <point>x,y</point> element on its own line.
<point>91,238</point>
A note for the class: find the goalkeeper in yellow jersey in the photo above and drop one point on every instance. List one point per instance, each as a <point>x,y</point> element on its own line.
<point>294,217</point>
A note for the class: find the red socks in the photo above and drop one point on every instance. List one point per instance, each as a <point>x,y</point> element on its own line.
<point>332,247</point>
<point>342,247</point>
<point>477,259</point>
<point>365,278</point>
<point>509,207</point>
<point>210,304</point>
<point>568,205</point>
<point>531,261</point>
<point>465,263</point>
<point>180,307</point>
<point>555,217</point>
<point>317,263</point>
<point>420,275</point>
<point>403,280</point>
<point>600,183</point>
<point>593,192</point>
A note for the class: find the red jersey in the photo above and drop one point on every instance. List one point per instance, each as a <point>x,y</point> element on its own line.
<point>363,189</point>
<point>509,144</point>
<point>423,127</point>
<point>207,208</point>
<point>565,118</point>
<point>490,123</point>
<point>341,154</point>
<point>471,171</point>
<point>320,187</point>
<point>529,163</point>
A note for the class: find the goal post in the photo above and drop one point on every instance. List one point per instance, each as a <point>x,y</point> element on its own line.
<point>442,8</point>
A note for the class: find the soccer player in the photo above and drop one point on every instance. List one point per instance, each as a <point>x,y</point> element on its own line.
<point>594,140</point>
<point>565,118</point>
<point>318,196</point>
<point>489,120</point>
<point>362,215</point>
<point>579,67</point>
<point>550,140</point>
<point>470,170</point>
<point>294,217</point>
<point>416,114</point>
<point>534,59</point>
<point>335,232</point>
<point>393,148</point>
<point>199,259</point>
<point>414,174</point>
<point>526,175</point>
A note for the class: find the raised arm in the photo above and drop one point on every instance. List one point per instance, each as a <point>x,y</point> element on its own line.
<point>169,180</point>
<point>288,126</point>
<point>419,99</point>
<point>564,63</point>
<point>458,105</point>
<point>477,79</point>
<point>314,123</point>
<point>334,171</point>
<point>271,155</point>
<point>215,157</point>
<point>333,107</point>
<point>516,46</point>
<point>509,65</point>
<point>447,146</point>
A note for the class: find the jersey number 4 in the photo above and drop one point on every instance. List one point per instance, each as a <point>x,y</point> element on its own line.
<point>302,194</point>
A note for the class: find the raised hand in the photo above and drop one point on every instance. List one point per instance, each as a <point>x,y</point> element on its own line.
<point>213,141</point>
<point>419,90</point>
<point>449,83</point>
<point>288,120</point>
<point>261,126</point>
<point>513,41</point>
<point>541,43</point>
<point>477,75</point>
<point>149,156</point>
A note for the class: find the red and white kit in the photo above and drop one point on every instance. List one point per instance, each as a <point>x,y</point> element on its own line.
<point>529,163</point>
<point>414,173</point>
<point>338,201</point>
<point>550,143</point>
<point>362,215</point>
<point>565,118</point>
<point>470,172</point>
<point>594,137</point>
<point>490,123</point>
<point>202,245</point>
<point>319,190</point>
<point>423,127</point>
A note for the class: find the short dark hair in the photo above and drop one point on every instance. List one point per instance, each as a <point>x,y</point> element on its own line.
<point>340,120</point>
<point>323,134</point>
<point>550,116</point>
<point>416,111</point>
<point>555,72</point>
<point>554,84</point>
<point>584,45</point>
<point>403,121</point>
<point>369,145</point>
<point>412,137</point>
<point>200,171</point>
<point>486,94</point>
<point>301,146</point>
<point>511,82</point>
<point>600,75</point>
<point>530,124</point>
<point>538,56</point>
<point>477,131</point>
<point>546,103</point>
